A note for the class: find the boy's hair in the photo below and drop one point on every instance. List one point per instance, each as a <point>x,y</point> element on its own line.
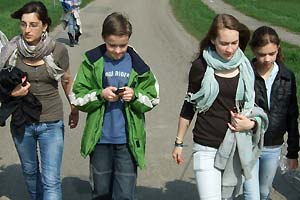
<point>116,24</point>
<point>265,35</point>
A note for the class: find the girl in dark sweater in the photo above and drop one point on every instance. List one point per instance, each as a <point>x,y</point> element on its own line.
<point>275,88</point>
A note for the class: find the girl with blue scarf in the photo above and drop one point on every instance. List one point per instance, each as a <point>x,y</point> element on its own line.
<point>221,92</point>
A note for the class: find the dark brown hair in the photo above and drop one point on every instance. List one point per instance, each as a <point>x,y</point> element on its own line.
<point>34,7</point>
<point>263,36</point>
<point>116,24</point>
<point>222,21</point>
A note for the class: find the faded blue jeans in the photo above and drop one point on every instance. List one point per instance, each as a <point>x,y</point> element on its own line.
<point>263,173</point>
<point>72,25</point>
<point>49,137</point>
<point>113,172</point>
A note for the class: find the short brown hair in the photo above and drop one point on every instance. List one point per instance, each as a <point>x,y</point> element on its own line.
<point>116,24</point>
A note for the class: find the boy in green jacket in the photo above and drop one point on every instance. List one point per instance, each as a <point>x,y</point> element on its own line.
<point>115,87</point>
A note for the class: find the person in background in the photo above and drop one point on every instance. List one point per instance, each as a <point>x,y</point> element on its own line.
<point>221,93</point>
<point>46,62</point>
<point>115,87</point>
<point>71,19</point>
<point>275,87</point>
<point>3,40</point>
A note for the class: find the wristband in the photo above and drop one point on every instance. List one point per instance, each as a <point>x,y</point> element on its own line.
<point>178,144</point>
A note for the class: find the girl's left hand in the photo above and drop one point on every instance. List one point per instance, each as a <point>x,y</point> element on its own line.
<point>127,95</point>
<point>292,164</point>
<point>73,117</point>
<point>240,122</point>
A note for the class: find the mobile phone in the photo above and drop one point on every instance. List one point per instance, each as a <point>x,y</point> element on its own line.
<point>119,90</point>
<point>24,83</point>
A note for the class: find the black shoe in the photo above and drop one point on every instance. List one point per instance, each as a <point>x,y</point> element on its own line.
<point>72,41</point>
<point>77,35</point>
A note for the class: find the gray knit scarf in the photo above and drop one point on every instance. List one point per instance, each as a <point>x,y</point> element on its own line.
<point>204,98</point>
<point>42,51</point>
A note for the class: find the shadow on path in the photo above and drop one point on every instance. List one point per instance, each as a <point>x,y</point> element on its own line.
<point>173,190</point>
<point>287,185</point>
<point>12,187</point>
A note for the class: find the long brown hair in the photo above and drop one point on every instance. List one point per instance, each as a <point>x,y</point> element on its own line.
<point>263,36</point>
<point>222,21</point>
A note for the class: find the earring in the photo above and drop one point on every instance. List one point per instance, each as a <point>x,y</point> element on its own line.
<point>44,35</point>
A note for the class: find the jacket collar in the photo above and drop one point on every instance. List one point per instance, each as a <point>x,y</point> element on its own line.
<point>138,63</point>
<point>282,73</point>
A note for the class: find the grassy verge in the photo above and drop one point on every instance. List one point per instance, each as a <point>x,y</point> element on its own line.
<point>277,12</point>
<point>193,15</point>
<point>11,26</point>
<point>196,18</point>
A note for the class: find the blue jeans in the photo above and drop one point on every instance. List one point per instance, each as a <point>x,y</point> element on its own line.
<point>263,173</point>
<point>50,138</point>
<point>72,25</point>
<point>113,172</point>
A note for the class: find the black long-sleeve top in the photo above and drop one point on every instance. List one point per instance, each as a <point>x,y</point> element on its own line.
<point>210,127</point>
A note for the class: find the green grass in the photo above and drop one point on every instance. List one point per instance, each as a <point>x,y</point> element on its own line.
<point>196,19</point>
<point>10,26</point>
<point>193,15</point>
<point>277,12</point>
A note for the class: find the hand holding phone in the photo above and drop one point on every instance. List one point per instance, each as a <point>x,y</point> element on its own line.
<point>119,90</point>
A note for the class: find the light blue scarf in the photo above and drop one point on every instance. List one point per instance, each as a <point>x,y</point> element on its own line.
<point>204,98</point>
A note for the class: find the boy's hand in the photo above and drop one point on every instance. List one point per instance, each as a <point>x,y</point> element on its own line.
<point>109,95</point>
<point>128,94</point>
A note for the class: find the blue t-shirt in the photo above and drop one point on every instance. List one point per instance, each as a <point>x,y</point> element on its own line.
<point>116,73</point>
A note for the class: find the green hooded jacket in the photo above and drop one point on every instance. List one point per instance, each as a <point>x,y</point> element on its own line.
<point>86,96</point>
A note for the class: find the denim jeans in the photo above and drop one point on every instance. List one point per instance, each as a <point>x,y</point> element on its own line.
<point>72,25</point>
<point>113,172</point>
<point>49,136</point>
<point>263,173</point>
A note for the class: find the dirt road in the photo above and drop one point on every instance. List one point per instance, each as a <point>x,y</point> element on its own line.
<point>165,46</point>
<point>168,50</point>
